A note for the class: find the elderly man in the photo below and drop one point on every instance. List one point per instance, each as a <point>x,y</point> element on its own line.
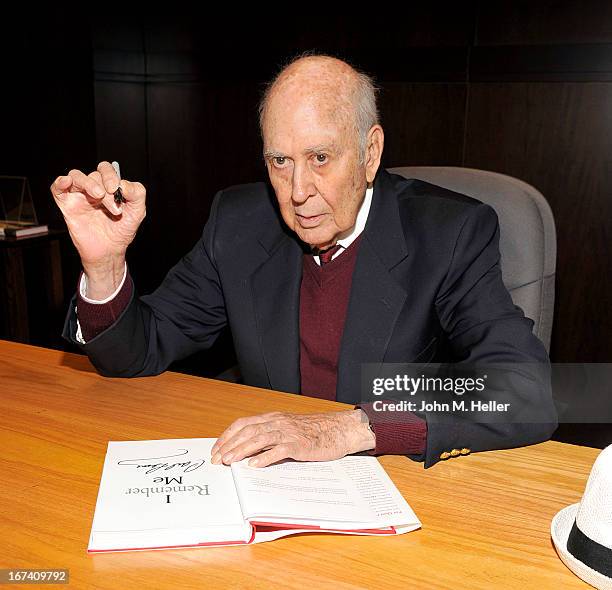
<point>341,264</point>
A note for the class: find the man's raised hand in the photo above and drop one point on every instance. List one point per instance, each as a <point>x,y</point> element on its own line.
<point>100,229</point>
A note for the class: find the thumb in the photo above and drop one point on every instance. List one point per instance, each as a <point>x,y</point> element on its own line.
<point>132,191</point>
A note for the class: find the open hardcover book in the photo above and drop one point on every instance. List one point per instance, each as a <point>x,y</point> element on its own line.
<point>162,494</point>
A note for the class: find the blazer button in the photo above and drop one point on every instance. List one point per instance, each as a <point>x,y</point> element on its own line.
<point>465,451</point>
<point>444,455</point>
<point>455,452</point>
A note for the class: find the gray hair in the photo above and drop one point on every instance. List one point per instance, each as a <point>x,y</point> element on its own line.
<point>364,101</point>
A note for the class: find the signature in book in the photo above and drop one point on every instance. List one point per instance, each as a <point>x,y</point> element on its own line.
<point>186,466</point>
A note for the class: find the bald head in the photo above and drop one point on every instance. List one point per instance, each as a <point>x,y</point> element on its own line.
<point>335,89</point>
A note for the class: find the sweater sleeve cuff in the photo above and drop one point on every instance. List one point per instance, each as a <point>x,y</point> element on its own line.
<point>94,318</point>
<point>397,433</point>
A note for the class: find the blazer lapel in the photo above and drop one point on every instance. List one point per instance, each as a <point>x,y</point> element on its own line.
<point>376,298</point>
<point>276,293</point>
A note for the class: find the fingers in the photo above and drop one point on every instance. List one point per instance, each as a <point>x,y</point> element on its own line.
<point>219,447</point>
<point>109,177</point>
<point>61,186</point>
<point>132,191</point>
<point>87,184</point>
<point>250,441</point>
<point>108,200</point>
<point>274,455</point>
<point>99,187</point>
<point>91,186</point>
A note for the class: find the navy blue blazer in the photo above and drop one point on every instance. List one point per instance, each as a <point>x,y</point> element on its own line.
<point>427,286</point>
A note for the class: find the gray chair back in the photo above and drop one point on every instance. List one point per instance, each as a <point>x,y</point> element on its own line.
<point>528,240</point>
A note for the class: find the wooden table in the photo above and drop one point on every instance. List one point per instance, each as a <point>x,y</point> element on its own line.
<point>486,517</point>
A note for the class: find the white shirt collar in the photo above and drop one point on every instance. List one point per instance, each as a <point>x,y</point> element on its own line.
<point>350,235</point>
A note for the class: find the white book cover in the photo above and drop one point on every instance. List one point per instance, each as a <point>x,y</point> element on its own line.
<point>159,494</point>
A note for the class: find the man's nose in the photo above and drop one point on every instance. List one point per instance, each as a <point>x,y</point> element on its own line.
<point>302,183</point>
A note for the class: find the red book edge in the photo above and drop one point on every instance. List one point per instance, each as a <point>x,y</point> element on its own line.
<point>269,525</point>
<point>282,526</point>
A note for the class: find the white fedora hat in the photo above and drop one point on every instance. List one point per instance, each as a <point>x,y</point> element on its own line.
<point>582,533</point>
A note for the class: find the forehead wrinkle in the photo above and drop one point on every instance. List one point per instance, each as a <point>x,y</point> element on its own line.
<point>327,102</point>
<point>331,146</point>
<point>333,114</point>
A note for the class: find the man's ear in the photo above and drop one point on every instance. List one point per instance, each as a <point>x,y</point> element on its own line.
<point>374,149</point>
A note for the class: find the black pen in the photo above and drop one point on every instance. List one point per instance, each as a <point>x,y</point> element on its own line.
<point>119,198</point>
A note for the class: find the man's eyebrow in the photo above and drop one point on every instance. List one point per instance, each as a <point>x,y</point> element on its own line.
<point>322,147</point>
<point>273,154</point>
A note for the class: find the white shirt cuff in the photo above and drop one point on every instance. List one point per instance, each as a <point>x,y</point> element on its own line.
<point>83,289</point>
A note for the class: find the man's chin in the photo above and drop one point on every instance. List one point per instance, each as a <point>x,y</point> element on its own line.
<point>316,238</point>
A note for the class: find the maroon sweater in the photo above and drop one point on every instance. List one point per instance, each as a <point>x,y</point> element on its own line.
<point>324,297</point>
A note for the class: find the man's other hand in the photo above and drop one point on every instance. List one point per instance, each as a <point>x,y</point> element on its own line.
<point>304,437</point>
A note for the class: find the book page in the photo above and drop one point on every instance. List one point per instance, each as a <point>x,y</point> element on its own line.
<point>352,492</point>
<point>165,492</point>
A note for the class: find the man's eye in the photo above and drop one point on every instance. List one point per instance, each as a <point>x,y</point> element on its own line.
<point>321,158</point>
<point>279,161</point>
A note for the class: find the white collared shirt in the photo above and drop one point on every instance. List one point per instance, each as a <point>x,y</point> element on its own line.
<point>352,234</point>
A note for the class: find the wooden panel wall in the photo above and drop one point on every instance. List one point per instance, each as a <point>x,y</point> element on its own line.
<point>521,88</point>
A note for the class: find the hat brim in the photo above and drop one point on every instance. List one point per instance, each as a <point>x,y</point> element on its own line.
<point>559,530</point>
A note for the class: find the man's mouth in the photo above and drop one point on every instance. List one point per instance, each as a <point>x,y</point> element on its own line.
<point>309,220</point>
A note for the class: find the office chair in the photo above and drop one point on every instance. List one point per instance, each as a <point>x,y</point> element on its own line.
<point>528,240</point>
